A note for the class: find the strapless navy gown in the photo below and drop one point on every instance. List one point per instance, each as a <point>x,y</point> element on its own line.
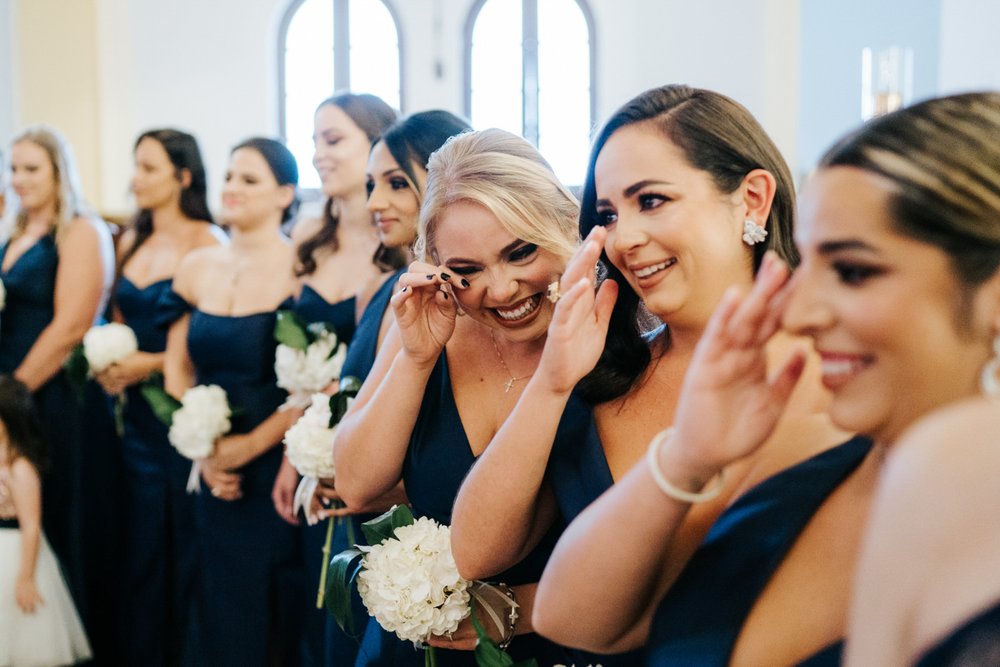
<point>325,643</point>
<point>160,546</point>
<point>81,490</point>
<point>251,570</point>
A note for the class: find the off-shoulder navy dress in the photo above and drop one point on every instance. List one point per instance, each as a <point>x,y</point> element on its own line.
<point>437,460</point>
<point>325,643</point>
<point>81,489</point>
<point>251,576</point>
<point>700,619</point>
<point>160,546</point>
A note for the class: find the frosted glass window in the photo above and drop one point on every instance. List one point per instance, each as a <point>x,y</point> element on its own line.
<point>529,72</point>
<point>316,64</point>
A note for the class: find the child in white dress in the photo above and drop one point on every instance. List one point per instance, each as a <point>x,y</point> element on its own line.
<point>39,626</point>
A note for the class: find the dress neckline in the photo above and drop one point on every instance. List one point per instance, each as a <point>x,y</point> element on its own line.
<point>131,282</point>
<point>6,246</point>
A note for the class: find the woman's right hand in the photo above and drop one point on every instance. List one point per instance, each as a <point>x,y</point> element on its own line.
<point>222,484</point>
<point>579,324</point>
<point>425,311</point>
<point>729,404</point>
<point>27,596</point>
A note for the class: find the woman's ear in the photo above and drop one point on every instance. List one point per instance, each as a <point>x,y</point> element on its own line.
<point>184,176</point>
<point>287,196</point>
<point>758,190</point>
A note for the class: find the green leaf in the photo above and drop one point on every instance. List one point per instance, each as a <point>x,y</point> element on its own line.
<point>338,402</point>
<point>163,404</point>
<point>340,588</point>
<point>488,653</point>
<point>76,369</point>
<point>384,526</point>
<point>290,330</point>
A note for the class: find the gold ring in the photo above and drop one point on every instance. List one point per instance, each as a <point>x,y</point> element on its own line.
<point>553,294</point>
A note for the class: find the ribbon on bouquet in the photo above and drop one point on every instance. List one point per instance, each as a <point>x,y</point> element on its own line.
<point>303,498</point>
<point>486,595</point>
<point>297,400</point>
<point>194,477</point>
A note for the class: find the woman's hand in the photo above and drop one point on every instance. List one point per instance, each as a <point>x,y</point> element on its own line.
<point>728,406</point>
<point>232,452</point>
<point>123,374</point>
<point>327,502</point>
<point>425,311</point>
<point>580,321</point>
<point>26,594</point>
<point>222,484</point>
<point>283,492</point>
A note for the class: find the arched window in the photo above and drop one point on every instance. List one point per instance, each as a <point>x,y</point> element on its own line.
<point>530,70</point>
<point>331,45</point>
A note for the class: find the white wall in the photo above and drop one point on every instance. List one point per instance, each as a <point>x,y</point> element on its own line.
<point>970,50</point>
<point>7,120</point>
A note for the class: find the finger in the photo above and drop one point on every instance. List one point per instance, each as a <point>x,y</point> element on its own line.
<point>566,310</point>
<point>714,339</point>
<point>746,323</point>
<point>604,303</point>
<point>785,378</point>
<point>582,264</point>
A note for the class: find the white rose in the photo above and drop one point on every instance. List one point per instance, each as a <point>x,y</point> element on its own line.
<point>108,344</point>
<point>202,418</point>
<point>309,442</point>
<point>410,583</point>
<point>304,372</point>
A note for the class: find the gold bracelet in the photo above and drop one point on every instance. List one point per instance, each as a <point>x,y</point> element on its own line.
<point>669,489</point>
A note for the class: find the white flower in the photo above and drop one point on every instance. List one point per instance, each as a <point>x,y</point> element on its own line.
<point>309,442</point>
<point>303,373</point>
<point>202,418</point>
<point>108,344</point>
<point>410,583</point>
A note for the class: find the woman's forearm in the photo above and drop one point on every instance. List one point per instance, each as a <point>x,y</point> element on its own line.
<point>371,441</point>
<point>498,514</point>
<point>50,351</point>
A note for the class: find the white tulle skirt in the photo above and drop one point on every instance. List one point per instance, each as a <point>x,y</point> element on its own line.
<point>53,635</point>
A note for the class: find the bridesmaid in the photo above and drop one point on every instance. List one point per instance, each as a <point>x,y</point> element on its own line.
<point>57,270</point>
<point>677,178</point>
<point>495,227</point>
<point>338,260</point>
<point>224,300</point>
<point>159,563</point>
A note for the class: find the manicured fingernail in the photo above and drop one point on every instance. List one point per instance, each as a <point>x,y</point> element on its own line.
<point>403,290</point>
<point>445,295</point>
<point>445,276</point>
<point>430,276</point>
<point>465,283</point>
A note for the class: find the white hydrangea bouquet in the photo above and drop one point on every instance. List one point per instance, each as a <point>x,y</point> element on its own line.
<point>102,346</point>
<point>196,422</point>
<point>410,585</point>
<point>308,358</point>
<point>309,448</point>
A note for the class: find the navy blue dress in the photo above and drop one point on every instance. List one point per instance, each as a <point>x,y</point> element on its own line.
<point>81,488</point>
<point>325,643</point>
<point>437,460</point>
<point>251,571</point>
<point>975,642</point>
<point>700,619</point>
<point>160,545</point>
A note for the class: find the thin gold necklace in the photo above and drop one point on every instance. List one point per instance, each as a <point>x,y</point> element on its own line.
<point>510,376</point>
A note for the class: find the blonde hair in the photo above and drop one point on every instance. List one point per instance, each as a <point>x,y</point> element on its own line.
<point>69,195</point>
<point>504,174</point>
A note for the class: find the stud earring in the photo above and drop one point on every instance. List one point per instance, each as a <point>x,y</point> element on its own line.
<point>753,233</point>
<point>989,378</point>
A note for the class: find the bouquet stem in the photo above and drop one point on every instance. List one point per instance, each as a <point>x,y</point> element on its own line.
<point>430,657</point>
<point>321,593</point>
<point>120,414</point>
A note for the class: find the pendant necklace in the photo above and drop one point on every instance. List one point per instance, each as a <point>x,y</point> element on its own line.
<point>510,376</point>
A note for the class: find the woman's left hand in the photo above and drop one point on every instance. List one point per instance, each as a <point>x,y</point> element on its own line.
<point>123,374</point>
<point>283,492</point>
<point>231,452</point>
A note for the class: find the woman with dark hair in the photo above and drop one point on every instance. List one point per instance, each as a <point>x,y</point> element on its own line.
<point>57,268</point>
<point>684,193</point>
<point>397,177</point>
<point>159,560</point>
<point>223,306</point>
<point>899,290</point>
<point>338,266</point>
